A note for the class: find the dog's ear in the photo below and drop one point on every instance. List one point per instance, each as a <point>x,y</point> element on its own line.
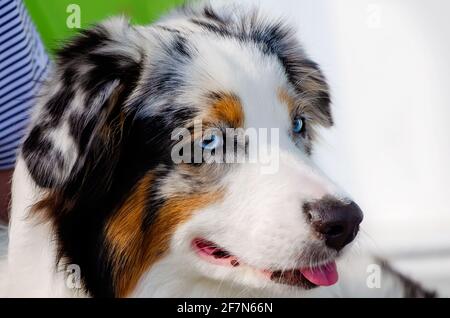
<point>81,107</point>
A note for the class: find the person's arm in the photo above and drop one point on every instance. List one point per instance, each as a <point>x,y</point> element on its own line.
<point>5,192</point>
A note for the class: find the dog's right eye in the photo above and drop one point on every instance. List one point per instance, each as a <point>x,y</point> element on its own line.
<point>211,142</point>
<point>298,125</point>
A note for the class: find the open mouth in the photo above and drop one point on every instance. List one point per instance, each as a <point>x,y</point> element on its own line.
<point>305,277</point>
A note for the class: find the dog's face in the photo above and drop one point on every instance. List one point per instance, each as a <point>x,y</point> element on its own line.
<point>106,142</point>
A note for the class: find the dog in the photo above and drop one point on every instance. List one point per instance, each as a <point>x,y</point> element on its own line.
<point>101,208</point>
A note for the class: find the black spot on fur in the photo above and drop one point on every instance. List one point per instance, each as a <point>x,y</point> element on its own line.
<point>57,105</point>
<point>214,28</point>
<point>210,14</point>
<point>81,129</point>
<point>180,46</point>
<point>271,37</point>
<point>40,155</point>
<point>107,68</point>
<point>85,42</point>
<point>162,27</point>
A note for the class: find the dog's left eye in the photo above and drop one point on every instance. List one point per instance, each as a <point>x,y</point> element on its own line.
<point>211,142</point>
<point>298,125</point>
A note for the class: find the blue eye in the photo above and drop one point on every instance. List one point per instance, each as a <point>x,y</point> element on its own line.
<point>298,125</point>
<point>211,142</point>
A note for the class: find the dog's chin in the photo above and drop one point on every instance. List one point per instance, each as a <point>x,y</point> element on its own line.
<point>322,273</point>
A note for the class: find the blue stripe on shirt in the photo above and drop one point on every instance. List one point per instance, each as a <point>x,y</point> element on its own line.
<point>23,66</point>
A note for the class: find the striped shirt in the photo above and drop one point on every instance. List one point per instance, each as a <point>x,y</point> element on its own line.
<point>23,66</point>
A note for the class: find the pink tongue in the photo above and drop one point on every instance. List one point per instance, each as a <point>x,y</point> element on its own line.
<point>324,275</point>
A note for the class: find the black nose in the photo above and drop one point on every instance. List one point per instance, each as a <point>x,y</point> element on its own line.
<point>335,221</point>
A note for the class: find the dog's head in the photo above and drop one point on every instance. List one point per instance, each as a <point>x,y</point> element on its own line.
<point>126,103</point>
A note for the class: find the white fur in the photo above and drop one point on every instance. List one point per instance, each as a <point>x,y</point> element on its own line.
<point>31,270</point>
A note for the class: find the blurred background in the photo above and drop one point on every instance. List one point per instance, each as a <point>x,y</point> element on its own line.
<point>388,65</point>
<point>50,15</point>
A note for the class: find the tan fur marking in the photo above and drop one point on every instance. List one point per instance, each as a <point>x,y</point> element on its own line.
<point>134,250</point>
<point>228,108</point>
<point>287,99</point>
<point>125,236</point>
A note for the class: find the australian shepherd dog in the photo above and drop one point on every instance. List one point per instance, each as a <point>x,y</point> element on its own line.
<point>136,177</point>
